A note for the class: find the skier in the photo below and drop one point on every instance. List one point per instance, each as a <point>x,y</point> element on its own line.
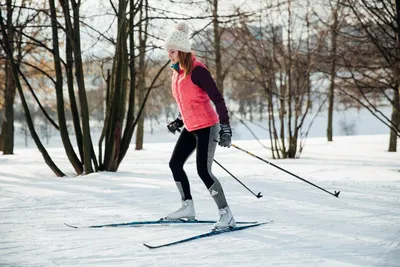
<point>193,87</point>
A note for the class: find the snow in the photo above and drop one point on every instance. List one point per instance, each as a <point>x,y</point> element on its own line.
<point>310,228</point>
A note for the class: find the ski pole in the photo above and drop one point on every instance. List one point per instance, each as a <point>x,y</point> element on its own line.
<point>233,176</point>
<point>336,194</point>
<point>259,193</point>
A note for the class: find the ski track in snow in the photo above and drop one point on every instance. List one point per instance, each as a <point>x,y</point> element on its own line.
<point>311,228</point>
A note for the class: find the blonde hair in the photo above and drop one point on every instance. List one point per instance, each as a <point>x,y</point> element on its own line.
<point>185,62</point>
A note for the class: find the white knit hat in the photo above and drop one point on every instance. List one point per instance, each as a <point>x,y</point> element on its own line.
<point>179,38</point>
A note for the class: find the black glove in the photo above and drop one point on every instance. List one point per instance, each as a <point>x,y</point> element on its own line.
<point>225,135</point>
<point>175,125</point>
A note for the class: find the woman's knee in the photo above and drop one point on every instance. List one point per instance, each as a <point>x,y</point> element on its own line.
<point>202,171</point>
<point>175,165</point>
<point>206,175</point>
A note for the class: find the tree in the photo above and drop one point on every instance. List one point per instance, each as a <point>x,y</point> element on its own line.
<point>22,18</point>
<point>278,67</point>
<point>143,31</point>
<point>334,30</point>
<point>5,43</point>
<point>376,29</point>
<point>7,129</point>
<point>73,158</point>
<point>215,44</point>
<point>117,138</point>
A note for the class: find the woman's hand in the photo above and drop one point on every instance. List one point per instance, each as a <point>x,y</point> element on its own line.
<point>225,135</point>
<point>175,125</point>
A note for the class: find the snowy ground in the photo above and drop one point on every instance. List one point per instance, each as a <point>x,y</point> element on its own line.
<point>311,227</point>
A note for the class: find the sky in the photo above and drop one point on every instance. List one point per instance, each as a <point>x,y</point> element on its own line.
<point>99,16</point>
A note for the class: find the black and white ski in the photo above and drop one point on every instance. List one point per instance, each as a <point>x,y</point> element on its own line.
<point>207,234</point>
<point>154,222</point>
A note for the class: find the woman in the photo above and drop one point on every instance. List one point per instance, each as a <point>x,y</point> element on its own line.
<point>193,87</point>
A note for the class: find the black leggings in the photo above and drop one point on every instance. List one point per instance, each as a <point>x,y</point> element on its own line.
<point>203,141</point>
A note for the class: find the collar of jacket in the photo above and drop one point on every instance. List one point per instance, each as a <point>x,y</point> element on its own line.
<point>175,66</point>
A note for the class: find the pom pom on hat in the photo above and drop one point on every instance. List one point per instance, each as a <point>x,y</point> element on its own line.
<point>179,38</point>
<point>183,27</point>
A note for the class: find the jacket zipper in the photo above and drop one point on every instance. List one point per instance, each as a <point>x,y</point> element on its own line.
<point>178,93</point>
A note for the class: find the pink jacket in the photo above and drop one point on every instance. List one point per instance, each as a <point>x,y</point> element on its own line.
<point>194,104</point>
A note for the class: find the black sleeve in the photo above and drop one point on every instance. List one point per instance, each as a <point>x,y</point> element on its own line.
<point>202,78</point>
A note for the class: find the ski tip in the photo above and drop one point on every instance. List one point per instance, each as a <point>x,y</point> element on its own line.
<point>264,222</point>
<point>72,226</point>
<point>148,246</point>
<point>240,222</point>
<point>261,223</point>
<point>337,194</point>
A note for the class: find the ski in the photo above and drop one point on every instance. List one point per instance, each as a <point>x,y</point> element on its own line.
<point>155,222</point>
<point>207,234</point>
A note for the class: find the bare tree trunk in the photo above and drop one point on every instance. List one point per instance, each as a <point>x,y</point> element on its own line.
<point>396,99</point>
<point>398,27</point>
<point>141,88</point>
<point>272,127</point>
<point>130,118</point>
<point>9,94</point>
<point>282,111</point>
<point>88,151</point>
<point>217,47</point>
<point>331,96</point>
<point>395,120</point>
<point>289,79</point>
<point>8,123</point>
<point>306,84</point>
<point>142,73</point>
<point>140,124</point>
<point>69,44</point>
<point>2,129</point>
<point>117,101</point>
<point>132,70</point>
<point>59,93</point>
<point>102,166</point>
<point>331,93</point>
